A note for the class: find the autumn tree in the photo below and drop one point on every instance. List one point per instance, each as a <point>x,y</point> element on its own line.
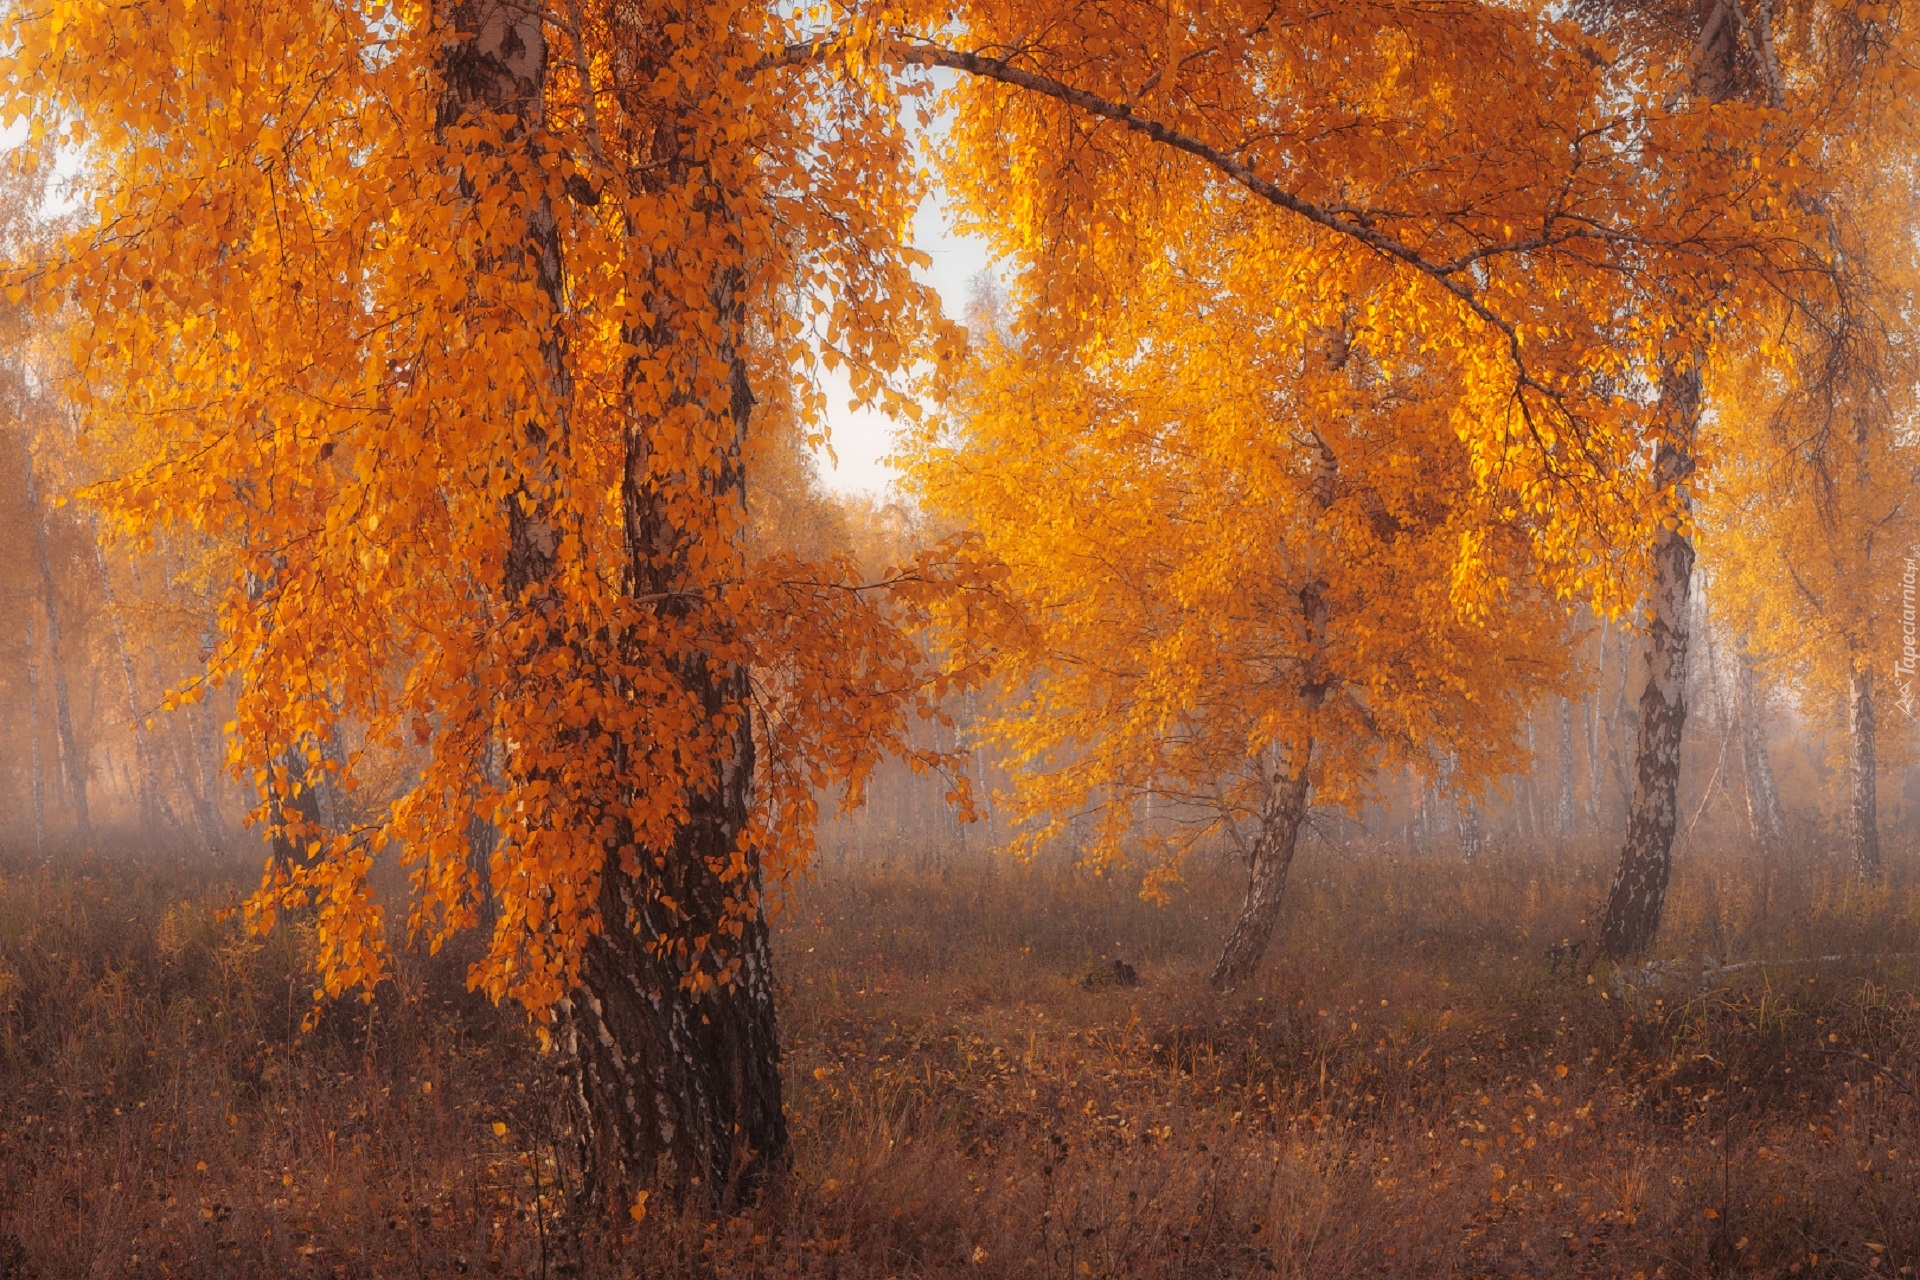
<point>1577,242</point>
<point>1812,502</point>
<point>445,323</point>
<point>1754,103</point>
<point>1234,524</point>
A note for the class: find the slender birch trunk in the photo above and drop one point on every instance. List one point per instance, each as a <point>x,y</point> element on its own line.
<point>1863,820</point>
<point>1563,811</point>
<point>1763,798</point>
<point>1469,824</point>
<point>1283,806</point>
<point>1592,713</point>
<point>151,808</point>
<point>1268,861</point>
<point>1646,863</point>
<point>33,745</point>
<point>76,765</point>
<point>1530,787</point>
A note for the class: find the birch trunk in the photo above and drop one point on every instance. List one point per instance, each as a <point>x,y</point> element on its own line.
<point>33,745</point>
<point>152,815</point>
<point>1863,819</point>
<point>1283,806</point>
<point>1593,737</point>
<point>76,765</point>
<point>1470,838</point>
<point>679,1085</point>
<point>1268,861</point>
<point>1640,885</point>
<point>1763,798</point>
<point>676,1087</point>
<point>1563,811</point>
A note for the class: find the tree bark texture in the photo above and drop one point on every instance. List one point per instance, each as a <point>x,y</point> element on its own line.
<point>679,1080</point>
<point>1268,861</point>
<point>1863,819</point>
<point>1646,863</point>
<point>678,1087</point>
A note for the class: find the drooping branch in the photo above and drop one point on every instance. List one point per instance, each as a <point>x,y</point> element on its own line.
<point>1448,273</point>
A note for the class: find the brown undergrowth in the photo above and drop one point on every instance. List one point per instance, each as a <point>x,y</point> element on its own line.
<point>1424,1081</point>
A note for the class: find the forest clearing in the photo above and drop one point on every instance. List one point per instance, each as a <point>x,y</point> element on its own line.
<point>1417,1087</point>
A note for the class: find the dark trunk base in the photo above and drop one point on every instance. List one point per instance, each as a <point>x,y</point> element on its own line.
<point>678,1091</point>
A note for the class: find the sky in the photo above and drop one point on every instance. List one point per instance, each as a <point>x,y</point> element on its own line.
<point>861,439</point>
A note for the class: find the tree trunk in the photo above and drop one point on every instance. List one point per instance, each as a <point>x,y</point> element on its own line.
<point>677,1080</point>
<point>76,765</point>
<point>680,1082</point>
<point>293,811</point>
<point>1268,862</point>
<point>1763,798</point>
<point>1863,820</point>
<point>1284,805</point>
<point>1469,828</point>
<point>1593,737</point>
<point>153,812</point>
<point>194,780</point>
<point>1625,730</point>
<point>33,744</point>
<point>676,1049</point>
<point>1529,789</point>
<point>678,1088</point>
<point>1563,811</point>
<point>1640,885</point>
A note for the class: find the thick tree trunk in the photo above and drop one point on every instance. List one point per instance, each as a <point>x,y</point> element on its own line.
<point>676,1070</point>
<point>679,1079</point>
<point>1640,884</point>
<point>676,1049</point>
<point>1863,819</point>
<point>680,1088</point>
<point>76,765</point>
<point>1268,861</point>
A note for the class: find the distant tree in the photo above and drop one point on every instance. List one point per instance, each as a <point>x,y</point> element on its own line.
<point>1813,502</point>
<point>1236,529</point>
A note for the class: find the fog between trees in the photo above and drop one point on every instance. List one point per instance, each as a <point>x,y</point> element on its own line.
<point>1413,434</point>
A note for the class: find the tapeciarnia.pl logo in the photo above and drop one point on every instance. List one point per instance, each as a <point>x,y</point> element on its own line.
<point>1904,669</point>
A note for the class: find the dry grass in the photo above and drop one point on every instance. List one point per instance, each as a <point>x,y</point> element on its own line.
<point>1414,1088</point>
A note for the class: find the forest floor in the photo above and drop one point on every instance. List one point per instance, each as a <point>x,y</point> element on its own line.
<point>1420,1084</point>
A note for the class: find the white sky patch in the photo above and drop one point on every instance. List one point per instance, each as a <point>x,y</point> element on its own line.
<point>862,438</point>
